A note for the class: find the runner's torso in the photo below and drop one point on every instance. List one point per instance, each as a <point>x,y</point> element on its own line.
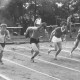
<point>59,33</point>
<point>35,34</point>
<point>2,36</point>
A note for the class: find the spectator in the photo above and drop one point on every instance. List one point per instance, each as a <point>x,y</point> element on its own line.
<point>38,21</point>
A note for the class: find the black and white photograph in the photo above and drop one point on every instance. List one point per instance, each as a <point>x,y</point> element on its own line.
<point>39,39</point>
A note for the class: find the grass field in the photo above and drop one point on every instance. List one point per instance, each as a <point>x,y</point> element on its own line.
<point>17,65</point>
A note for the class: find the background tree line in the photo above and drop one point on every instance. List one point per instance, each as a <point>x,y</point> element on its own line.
<point>51,11</point>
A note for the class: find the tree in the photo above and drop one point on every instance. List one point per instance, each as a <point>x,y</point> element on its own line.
<point>48,9</point>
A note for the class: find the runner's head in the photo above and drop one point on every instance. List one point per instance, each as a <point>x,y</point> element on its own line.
<point>43,25</point>
<point>3,26</point>
<point>63,26</point>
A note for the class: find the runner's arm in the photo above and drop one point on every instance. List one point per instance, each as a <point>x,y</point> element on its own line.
<point>52,34</point>
<point>46,33</point>
<point>8,35</point>
<point>26,34</point>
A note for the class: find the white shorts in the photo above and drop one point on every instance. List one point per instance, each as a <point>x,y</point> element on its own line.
<point>55,39</point>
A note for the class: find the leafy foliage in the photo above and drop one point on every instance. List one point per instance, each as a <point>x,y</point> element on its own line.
<point>48,9</point>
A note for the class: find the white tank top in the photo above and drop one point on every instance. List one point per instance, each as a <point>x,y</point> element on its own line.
<point>2,37</point>
<point>38,21</point>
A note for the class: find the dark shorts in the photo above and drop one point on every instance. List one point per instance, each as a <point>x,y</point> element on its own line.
<point>32,40</point>
<point>2,44</point>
